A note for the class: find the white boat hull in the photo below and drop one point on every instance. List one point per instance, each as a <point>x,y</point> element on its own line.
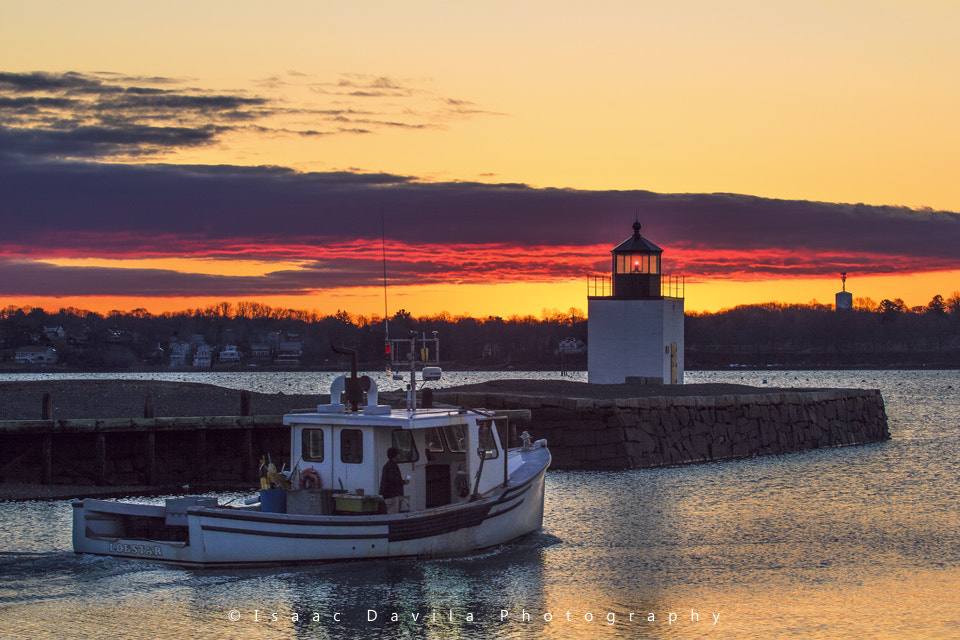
<point>222,536</point>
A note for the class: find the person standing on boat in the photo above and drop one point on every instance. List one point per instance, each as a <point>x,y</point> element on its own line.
<point>391,481</point>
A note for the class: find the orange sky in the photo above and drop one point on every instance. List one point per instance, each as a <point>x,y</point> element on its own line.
<point>833,102</point>
<point>508,299</point>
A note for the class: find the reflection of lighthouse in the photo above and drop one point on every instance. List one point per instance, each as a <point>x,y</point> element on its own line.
<point>635,318</point>
<point>844,298</point>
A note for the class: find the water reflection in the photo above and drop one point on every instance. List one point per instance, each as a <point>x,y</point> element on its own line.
<point>859,542</point>
<point>378,599</point>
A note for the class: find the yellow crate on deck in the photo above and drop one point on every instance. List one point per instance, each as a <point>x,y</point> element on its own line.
<point>357,503</point>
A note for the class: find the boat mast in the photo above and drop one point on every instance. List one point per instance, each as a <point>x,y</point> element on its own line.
<point>383,251</point>
<point>412,397</point>
<point>389,345</point>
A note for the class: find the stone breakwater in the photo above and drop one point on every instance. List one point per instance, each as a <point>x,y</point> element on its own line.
<point>628,433</point>
<point>587,426</point>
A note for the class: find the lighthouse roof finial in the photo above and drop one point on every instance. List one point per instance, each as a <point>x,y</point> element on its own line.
<point>636,243</point>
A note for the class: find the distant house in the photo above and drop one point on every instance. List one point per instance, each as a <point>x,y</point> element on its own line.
<point>178,353</point>
<point>289,354</point>
<point>572,347</point>
<point>230,355</point>
<point>80,339</point>
<point>261,352</point>
<point>36,355</point>
<point>492,350</point>
<point>203,358</point>
<point>54,332</point>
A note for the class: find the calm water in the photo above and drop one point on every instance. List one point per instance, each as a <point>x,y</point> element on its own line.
<point>860,542</point>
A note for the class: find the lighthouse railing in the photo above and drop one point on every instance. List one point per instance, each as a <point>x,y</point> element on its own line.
<point>672,286</point>
<point>602,286</point>
<point>599,286</point>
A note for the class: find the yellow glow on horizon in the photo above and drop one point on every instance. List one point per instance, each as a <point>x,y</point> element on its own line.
<point>531,299</point>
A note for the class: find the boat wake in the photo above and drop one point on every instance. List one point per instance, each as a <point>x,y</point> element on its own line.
<point>514,551</point>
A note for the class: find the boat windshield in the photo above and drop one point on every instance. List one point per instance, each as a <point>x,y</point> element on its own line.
<point>403,442</point>
<point>434,440</point>
<point>456,437</point>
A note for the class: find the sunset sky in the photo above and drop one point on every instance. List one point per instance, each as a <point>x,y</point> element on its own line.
<point>173,155</point>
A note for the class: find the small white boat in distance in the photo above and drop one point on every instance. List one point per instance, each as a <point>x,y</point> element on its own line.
<point>465,492</point>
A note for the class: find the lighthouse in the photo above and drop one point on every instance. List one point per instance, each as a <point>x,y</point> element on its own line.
<point>635,318</point>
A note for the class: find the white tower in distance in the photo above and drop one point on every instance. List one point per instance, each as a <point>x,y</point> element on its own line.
<point>844,298</point>
<point>635,318</point>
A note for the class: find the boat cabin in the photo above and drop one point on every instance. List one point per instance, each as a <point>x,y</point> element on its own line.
<point>449,455</point>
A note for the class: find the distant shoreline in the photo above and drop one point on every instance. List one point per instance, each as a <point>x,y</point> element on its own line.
<point>362,367</point>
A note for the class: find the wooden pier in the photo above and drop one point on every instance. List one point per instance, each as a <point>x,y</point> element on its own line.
<point>147,451</point>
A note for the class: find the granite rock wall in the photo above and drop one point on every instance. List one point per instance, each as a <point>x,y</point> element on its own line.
<point>586,433</point>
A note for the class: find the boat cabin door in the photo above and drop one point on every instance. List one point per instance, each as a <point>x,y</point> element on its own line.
<point>311,448</point>
<point>353,460</point>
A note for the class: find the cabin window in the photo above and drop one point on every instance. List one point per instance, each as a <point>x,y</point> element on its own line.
<point>351,446</point>
<point>456,437</point>
<point>434,439</point>
<point>312,449</point>
<point>403,441</point>
<point>487,443</point>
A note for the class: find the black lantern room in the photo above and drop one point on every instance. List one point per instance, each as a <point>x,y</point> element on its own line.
<point>636,268</point>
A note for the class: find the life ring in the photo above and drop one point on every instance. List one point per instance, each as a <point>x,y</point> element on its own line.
<point>310,479</point>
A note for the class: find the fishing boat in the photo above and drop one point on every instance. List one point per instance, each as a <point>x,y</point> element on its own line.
<point>464,491</point>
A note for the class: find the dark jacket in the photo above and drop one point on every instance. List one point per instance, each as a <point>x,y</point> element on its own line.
<point>391,481</point>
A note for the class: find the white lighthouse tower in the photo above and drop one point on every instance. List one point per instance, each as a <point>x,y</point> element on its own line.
<point>635,318</point>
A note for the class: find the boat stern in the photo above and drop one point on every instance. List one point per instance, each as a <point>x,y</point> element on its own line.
<point>128,530</point>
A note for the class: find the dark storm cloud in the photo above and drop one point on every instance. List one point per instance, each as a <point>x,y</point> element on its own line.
<point>53,204</point>
<point>329,223</point>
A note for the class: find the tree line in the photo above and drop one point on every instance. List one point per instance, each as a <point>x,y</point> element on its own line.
<point>884,334</point>
<point>870,335</point>
<point>136,339</point>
